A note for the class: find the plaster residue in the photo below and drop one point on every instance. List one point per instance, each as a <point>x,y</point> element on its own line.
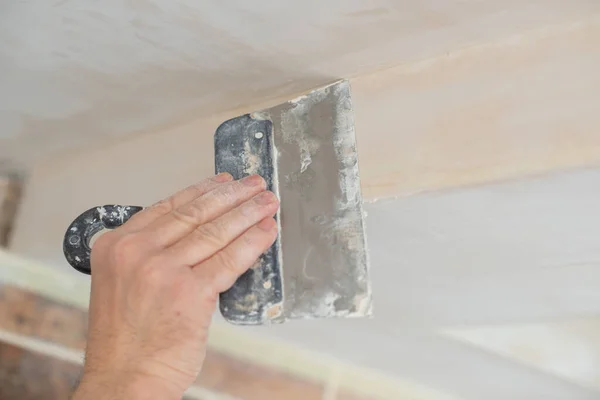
<point>324,253</point>
<point>101,212</point>
<point>251,161</point>
<point>305,159</point>
<point>344,144</point>
<point>260,115</point>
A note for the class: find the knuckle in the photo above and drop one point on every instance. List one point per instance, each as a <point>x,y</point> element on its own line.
<point>248,240</point>
<point>190,214</point>
<point>196,189</point>
<point>250,209</point>
<point>163,207</point>
<point>231,191</point>
<point>228,263</point>
<point>212,233</point>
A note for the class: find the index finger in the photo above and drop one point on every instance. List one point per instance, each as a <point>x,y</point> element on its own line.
<point>163,207</point>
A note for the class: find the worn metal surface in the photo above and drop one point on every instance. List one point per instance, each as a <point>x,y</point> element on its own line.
<point>325,260</point>
<point>76,243</point>
<point>244,146</point>
<point>321,253</point>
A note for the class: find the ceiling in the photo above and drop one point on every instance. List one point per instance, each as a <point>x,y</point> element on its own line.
<point>488,292</point>
<point>76,72</point>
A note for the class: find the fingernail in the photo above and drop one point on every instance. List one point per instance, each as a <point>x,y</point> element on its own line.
<point>267,224</point>
<point>265,198</point>
<point>253,180</point>
<point>223,177</point>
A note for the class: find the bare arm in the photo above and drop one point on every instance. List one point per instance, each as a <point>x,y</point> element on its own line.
<point>156,281</point>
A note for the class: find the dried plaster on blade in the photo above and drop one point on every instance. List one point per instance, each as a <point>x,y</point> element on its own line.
<point>341,227</point>
<point>345,148</point>
<point>350,178</point>
<point>274,312</point>
<point>251,161</point>
<point>306,145</point>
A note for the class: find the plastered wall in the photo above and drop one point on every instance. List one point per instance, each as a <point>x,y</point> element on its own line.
<point>521,106</point>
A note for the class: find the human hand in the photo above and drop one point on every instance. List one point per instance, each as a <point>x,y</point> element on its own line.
<point>155,284</point>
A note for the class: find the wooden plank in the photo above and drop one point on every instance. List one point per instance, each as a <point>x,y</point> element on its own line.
<point>25,375</point>
<point>10,194</point>
<point>242,379</point>
<point>351,396</point>
<point>224,56</point>
<point>73,289</point>
<point>28,314</point>
<point>495,111</point>
<point>25,313</point>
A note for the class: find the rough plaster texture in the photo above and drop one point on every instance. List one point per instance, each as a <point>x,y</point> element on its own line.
<point>474,287</point>
<point>513,268</point>
<point>74,73</point>
<point>481,293</point>
<point>488,292</point>
<point>486,113</point>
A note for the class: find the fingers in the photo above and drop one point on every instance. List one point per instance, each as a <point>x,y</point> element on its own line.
<point>150,214</point>
<point>183,220</point>
<point>207,239</point>
<point>222,269</point>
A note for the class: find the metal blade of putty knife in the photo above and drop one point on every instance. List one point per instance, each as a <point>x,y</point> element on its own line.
<point>306,151</point>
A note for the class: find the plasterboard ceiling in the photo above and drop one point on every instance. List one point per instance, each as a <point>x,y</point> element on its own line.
<point>76,73</point>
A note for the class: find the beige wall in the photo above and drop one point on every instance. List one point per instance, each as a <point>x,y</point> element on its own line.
<point>521,106</point>
<point>77,72</point>
<point>498,280</point>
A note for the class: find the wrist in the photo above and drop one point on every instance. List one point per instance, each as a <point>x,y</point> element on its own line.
<point>124,387</point>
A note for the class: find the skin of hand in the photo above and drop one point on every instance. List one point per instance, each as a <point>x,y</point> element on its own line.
<point>155,284</point>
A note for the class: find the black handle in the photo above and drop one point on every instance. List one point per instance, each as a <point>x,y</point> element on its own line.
<point>76,244</point>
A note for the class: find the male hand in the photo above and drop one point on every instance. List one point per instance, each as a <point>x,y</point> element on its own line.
<point>155,284</point>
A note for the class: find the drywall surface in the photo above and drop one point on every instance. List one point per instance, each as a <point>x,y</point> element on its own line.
<point>518,107</point>
<point>489,292</point>
<point>74,73</point>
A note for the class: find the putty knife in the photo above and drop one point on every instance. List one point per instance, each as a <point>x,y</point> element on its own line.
<point>306,151</point>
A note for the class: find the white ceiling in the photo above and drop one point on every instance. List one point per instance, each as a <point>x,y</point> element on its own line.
<point>481,293</point>
<point>76,71</point>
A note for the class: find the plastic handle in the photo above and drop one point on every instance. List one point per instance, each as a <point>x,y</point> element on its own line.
<point>76,244</point>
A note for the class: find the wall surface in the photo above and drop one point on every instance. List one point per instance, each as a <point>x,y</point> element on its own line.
<point>481,114</point>
<point>489,292</point>
<point>483,128</point>
<point>74,73</point>
<point>482,290</point>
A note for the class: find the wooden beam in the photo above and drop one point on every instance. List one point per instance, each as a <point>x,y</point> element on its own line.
<point>224,57</point>
<point>29,375</point>
<point>521,106</point>
<point>32,317</point>
<point>10,196</point>
<point>58,330</point>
